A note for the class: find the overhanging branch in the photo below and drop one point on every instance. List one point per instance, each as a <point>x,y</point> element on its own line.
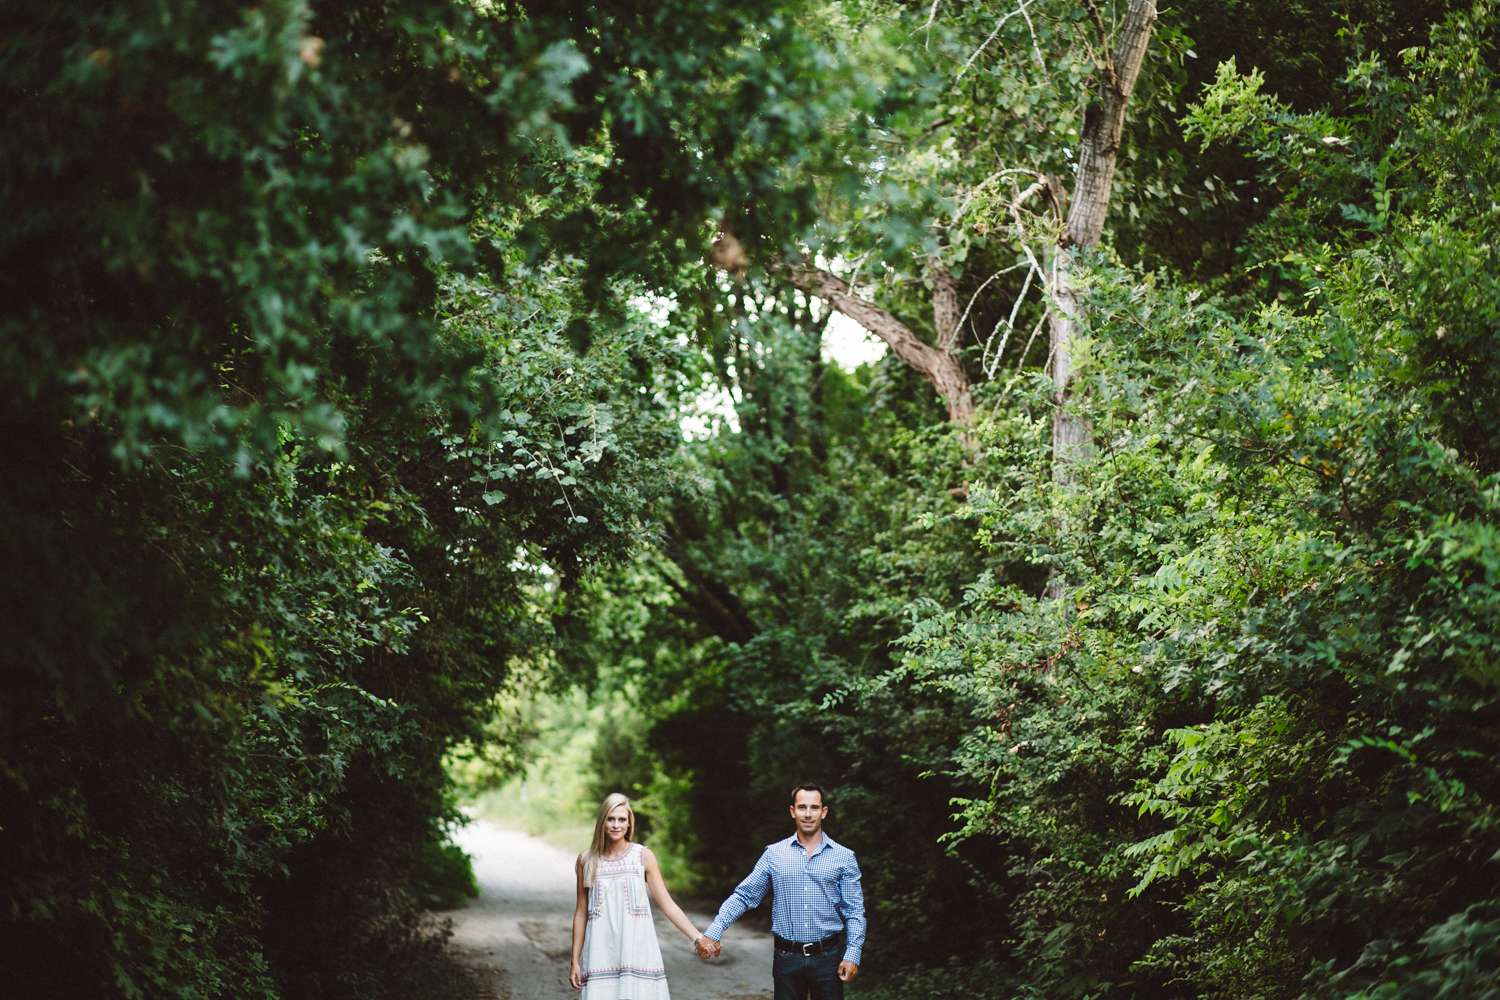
<point>941,369</point>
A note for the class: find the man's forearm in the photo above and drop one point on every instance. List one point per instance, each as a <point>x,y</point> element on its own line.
<point>854,918</point>
<point>854,935</point>
<point>732,909</point>
<point>746,896</point>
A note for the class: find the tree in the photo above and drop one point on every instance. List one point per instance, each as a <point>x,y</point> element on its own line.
<point>1099,148</point>
<point>1039,719</point>
<point>319,375</point>
<point>1217,768</point>
<point>1101,131</point>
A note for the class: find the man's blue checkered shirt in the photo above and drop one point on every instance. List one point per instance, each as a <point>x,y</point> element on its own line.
<point>815,897</point>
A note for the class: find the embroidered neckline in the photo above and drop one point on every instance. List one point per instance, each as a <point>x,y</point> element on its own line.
<point>624,857</point>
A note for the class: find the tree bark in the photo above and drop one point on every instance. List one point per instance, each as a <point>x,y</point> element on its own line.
<point>938,365</point>
<point>1103,121</point>
<point>1071,434</point>
<point>945,314</point>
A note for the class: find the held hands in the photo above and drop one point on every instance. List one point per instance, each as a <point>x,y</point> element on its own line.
<point>847,971</point>
<point>707,948</point>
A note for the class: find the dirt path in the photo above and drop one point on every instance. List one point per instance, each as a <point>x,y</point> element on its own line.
<point>517,932</point>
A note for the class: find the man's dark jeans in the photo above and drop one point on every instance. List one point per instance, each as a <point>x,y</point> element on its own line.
<point>796,976</point>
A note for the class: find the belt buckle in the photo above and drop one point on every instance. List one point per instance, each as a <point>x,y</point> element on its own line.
<point>806,953</point>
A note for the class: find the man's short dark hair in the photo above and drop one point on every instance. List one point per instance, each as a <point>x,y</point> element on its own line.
<point>810,787</point>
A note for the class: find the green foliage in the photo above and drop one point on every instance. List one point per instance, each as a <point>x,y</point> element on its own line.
<point>445,878</point>
<point>788,559</point>
<point>827,523</point>
<point>346,348</point>
<point>322,379</point>
<point>1249,755</point>
<point>1246,756</point>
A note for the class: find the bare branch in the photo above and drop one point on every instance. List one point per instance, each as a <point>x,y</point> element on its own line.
<point>1110,80</point>
<point>1025,196</point>
<point>1010,326</point>
<point>930,15</point>
<point>1027,349</point>
<point>1021,10</point>
<point>1036,48</point>
<point>941,369</point>
<point>975,297</point>
<point>974,193</point>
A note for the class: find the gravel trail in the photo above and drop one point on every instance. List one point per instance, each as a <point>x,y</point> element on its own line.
<point>516,934</point>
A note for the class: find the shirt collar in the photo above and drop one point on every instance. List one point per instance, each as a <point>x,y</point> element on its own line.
<point>825,845</point>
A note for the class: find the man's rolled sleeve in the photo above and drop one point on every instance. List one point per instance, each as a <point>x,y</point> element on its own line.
<point>746,896</point>
<point>852,909</point>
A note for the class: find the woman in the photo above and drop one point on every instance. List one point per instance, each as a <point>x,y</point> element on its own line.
<point>615,954</point>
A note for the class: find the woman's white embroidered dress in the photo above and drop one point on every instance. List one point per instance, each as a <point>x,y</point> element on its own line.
<point>621,958</point>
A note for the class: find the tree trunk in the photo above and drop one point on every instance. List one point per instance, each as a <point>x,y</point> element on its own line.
<point>1103,120</point>
<point>938,365</point>
<point>945,315</point>
<point>1071,434</point>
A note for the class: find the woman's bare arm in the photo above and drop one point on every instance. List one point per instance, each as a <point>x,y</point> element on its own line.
<point>669,907</point>
<point>580,925</point>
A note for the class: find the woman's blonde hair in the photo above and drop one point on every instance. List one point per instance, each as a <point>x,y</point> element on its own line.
<point>591,857</point>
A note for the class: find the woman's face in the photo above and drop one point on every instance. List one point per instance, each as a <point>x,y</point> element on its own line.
<point>617,823</point>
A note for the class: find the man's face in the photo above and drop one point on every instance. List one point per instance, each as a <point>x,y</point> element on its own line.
<point>809,812</point>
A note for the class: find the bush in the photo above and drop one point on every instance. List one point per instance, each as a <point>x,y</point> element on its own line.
<point>444,879</point>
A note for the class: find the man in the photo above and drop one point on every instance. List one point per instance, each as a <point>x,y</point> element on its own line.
<point>817,897</point>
